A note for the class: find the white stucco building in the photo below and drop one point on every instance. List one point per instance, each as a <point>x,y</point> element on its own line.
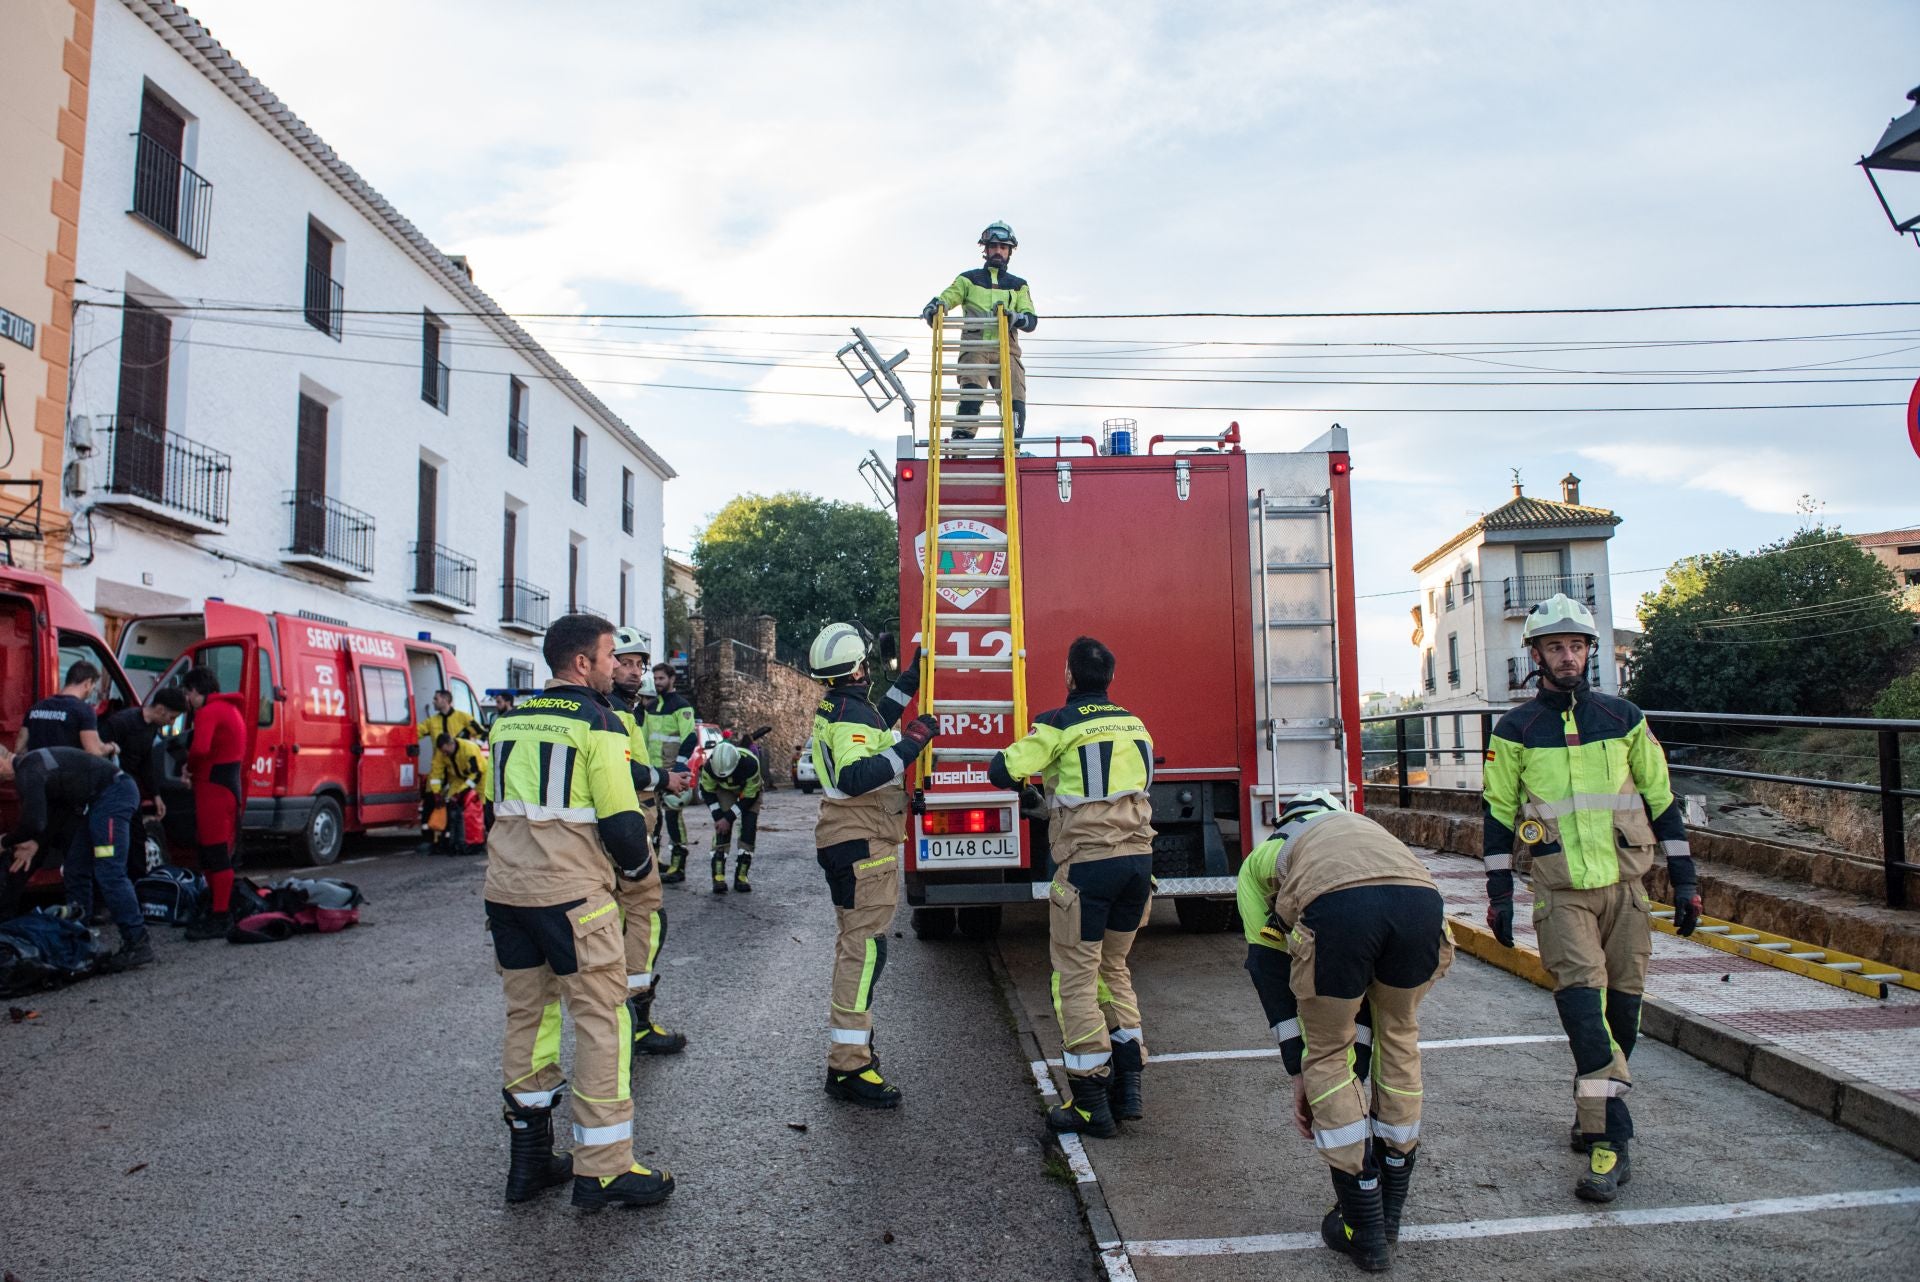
<point>1475,591</point>
<point>286,397</point>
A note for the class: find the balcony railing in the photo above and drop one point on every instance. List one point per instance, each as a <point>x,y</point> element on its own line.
<point>1428,683</point>
<point>523,605</point>
<point>518,433</point>
<point>326,299</point>
<point>144,461</point>
<point>441,572</point>
<point>1453,677</point>
<point>325,529</point>
<point>1522,594</point>
<point>579,483</point>
<point>435,379</point>
<point>169,196</point>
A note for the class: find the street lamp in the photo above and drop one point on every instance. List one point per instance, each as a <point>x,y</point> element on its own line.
<point>1899,151</point>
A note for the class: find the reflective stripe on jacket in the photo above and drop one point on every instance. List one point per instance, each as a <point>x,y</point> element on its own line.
<point>858,766</point>
<point>1581,784</point>
<point>978,291</point>
<point>1096,761</point>
<point>469,767</point>
<point>671,724</point>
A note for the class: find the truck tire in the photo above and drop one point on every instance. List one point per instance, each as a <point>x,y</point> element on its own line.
<point>981,921</point>
<point>933,923</point>
<point>1204,916</point>
<point>324,835</point>
<point>808,788</point>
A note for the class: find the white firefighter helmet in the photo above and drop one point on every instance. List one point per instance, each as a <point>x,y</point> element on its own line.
<point>1559,615</point>
<point>838,650</point>
<point>724,760</point>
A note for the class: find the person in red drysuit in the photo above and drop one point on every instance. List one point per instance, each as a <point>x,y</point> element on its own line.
<point>216,768</point>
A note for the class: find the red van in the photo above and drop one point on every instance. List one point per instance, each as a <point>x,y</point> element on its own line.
<point>334,748</point>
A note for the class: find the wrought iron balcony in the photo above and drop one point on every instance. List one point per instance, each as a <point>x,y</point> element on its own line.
<point>170,197</point>
<point>326,534</point>
<point>326,299</point>
<point>435,383</point>
<point>162,473</point>
<point>1522,594</point>
<point>523,607</point>
<point>442,576</point>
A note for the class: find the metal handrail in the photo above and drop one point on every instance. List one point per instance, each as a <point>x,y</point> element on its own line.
<point>1524,591</point>
<point>145,461</point>
<point>442,572</point>
<point>1890,789</point>
<point>322,526</point>
<point>325,301</point>
<point>169,196</point>
<point>522,602</point>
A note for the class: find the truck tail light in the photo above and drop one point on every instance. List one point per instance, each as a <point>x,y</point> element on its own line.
<point>906,472</point>
<point>948,823</point>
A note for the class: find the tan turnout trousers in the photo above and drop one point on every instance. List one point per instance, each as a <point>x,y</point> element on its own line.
<point>1601,939</point>
<point>1342,1118</point>
<point>860,954</point>
<point>988,378</point>
<point>595,995</point>
<point>1096,905</point>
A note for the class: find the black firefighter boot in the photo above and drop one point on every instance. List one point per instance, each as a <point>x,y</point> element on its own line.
<point>1357,1226</point>
<point>863,1086</point>
<point>1088,1108</point>
<point>535,1166</point>
<point>635,1186</point>
<point>1396,1175</point>
<point>1127,1063</point>
<point>648,1037</point>
<point>1019,419</point>
<point>741,886</point>
<point>676,869</point>
<point>719,872</point>
<point>209,925</point>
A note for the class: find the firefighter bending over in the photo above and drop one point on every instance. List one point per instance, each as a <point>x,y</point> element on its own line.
<point>731,781</point>
<point>1096,760</point>
<point>643,916</point>
<point>566,819</point>
<point>460,778</point>
<point>982,291</point>
<point>1575,779</point>
<point>858,840</point>
<point>1364,931</point>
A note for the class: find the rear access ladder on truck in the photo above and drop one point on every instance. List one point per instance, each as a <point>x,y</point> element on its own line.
<point>1310,556</point>
<point>975,495</point>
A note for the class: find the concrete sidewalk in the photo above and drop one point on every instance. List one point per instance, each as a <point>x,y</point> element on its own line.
<point>1852,1059</point>
<point>1214,1184</point>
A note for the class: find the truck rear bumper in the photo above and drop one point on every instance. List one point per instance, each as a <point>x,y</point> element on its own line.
<point>1021,892</point>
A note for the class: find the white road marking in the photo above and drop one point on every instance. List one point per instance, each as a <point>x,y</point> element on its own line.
<point>1069,1143</point>
<point>1273,1052</point>
<point>1272,1242</point>
<point>1113,1257</point>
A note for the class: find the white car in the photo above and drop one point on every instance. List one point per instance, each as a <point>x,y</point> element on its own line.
<point>803,775</point>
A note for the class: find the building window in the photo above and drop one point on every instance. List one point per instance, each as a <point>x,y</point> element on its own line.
<point>1453,659</point>
<point>579,466</point>
<point>1428,674</point>
<point>1466,585</point>
<point>576,576</point>
<point>310,478</point>
<point>1459,737</point>
<point>517,429</point>
<point>1913,578</point>
<point>325,297</point>
<point>139,462</point>
<point>167,195</point>
<point>519,674</point>
<point>626,499</point>
<point>435,377</point>
<point>1449,594</point>
<point>626,593</point>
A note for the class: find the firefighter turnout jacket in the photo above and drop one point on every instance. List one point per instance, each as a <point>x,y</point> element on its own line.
<point>469,767</point>
<point>1577,780</point>
<point>648,777</point>
<point>744,782</point>
<point>979,291</point>
<point>455,723</point>
<point>672,725</point>
<point>1096,759</point>
<point>564,801</point>
<point>857,760</point>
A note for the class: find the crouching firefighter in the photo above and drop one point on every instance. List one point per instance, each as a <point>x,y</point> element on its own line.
<point>643,916</point>
<point>731,780</point>
<point>1364,927</point>
<point>1575,778</point>
<point>858,840</point>
<point>1096,761</point>
<point>568,827</point>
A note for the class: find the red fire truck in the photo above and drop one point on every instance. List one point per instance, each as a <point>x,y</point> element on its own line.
<point>1222,581</point>
<point>335,748</point>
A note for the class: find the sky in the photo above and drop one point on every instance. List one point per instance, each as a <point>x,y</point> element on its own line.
<point>1311,156</point>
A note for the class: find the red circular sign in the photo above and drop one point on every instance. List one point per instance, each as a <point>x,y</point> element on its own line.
<point>1913,417</point>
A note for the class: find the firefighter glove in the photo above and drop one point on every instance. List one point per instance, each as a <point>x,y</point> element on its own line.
<point>909,679</point>
<point>928,312</point>
<point>1025,320</point>
<point>916,734</point>
<point>1500,906</point>
<point>1686,894</point>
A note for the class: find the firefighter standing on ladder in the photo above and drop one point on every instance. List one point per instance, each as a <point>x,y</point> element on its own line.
<point>981,292</point>
<point>1575,778</point>
<point>1097,761</point>
<point>858,841</point>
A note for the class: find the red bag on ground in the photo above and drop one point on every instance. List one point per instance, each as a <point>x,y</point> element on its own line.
<point>473,816</point>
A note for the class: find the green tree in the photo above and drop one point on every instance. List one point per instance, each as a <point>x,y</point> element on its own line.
<point>1809,625</point>
<point>804,560</point>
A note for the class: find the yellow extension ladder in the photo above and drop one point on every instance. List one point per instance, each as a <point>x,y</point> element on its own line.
<point>960,491</point>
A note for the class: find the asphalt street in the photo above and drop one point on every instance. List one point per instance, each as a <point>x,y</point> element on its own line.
<point>328,1107</point>
<point>1215,1186</point>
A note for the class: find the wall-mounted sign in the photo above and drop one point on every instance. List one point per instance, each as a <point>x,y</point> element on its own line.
<point>18,328</point>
